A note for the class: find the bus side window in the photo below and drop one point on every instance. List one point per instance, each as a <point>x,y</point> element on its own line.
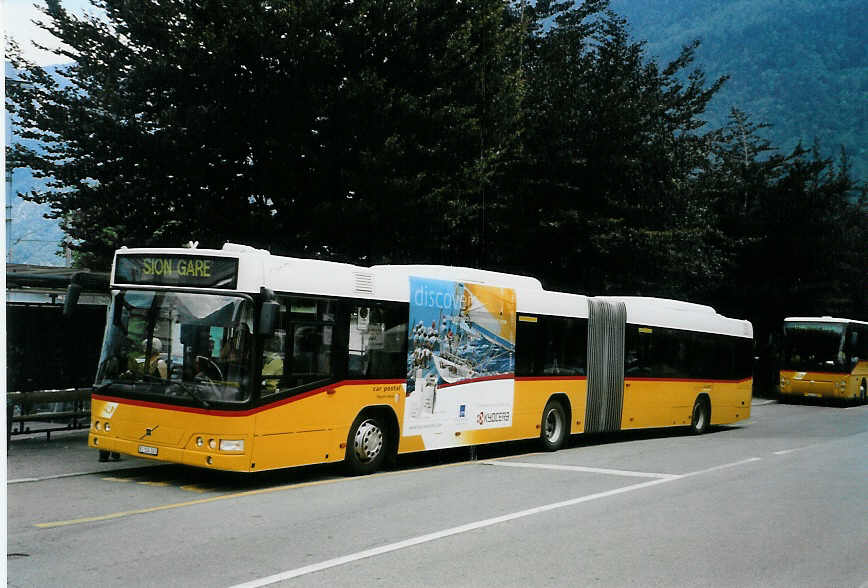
<point>859,344</point>
<point>377,340</point>
<point>299,354</point>
<point>565,347</point>
<point>638,349</point>
<point>273,354</point>
<point>528,360</point>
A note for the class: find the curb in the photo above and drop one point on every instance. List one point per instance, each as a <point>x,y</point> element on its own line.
<point>75,474</point>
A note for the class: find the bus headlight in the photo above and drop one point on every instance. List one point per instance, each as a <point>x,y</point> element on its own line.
<point>212,444</point>
<point>97,425</point>
<point>231,444</point>
<point>108,426</point>
<point>199,441</point>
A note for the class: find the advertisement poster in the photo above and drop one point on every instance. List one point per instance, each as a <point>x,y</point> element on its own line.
<point>461,359</point>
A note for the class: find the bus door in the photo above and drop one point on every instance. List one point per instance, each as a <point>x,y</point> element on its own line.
<point>605,366</point>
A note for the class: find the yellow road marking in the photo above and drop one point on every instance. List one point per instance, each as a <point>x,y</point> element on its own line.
<point>127,513</point>
<point>195,488</point>
<point>161,484</point>
<point>113,479</point>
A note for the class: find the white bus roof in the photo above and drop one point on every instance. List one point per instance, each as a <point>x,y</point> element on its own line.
<point>257,268</point>
<point>821,319</point>
<point>678,314</point>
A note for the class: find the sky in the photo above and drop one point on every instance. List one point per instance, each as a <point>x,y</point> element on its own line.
<point>17,23</point>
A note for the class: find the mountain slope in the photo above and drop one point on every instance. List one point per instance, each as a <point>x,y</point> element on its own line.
<point>798,65</point>
<point>32,238</point>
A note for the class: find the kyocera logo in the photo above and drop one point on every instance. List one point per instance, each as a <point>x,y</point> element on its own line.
<point>484,418</point>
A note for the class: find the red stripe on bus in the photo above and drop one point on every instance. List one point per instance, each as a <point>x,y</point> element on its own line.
<point>545,378</point>
<point>810,374</point>
<point>638,379</point>
<point>208,411</point>
<point>242,413</point>
<point>323,389</point>
<point>474,380</point>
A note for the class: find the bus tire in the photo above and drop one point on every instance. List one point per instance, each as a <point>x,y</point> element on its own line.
<point>553,427</point>
<point>367,444</point>
<point>701,416</point>
<point>863,393</point>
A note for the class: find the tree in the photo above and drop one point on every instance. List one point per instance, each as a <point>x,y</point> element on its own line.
<point>310,128</point>
<point>797,227</point>
<point>609,154</point>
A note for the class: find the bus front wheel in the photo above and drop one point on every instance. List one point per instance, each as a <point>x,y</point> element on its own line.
<point>367,444</point>
<point>863,392</point>
<point>701,416</point>
<point>553,429</point>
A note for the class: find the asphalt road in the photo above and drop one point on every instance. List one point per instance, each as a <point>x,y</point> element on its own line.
<point>780,500</point>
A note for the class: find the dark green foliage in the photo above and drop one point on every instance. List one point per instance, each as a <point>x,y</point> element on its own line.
<point>537,138</point>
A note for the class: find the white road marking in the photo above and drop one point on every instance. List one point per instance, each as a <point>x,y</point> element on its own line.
<point>545,466</point>
<point>55,477</point>
<point>722,467</point>
<point>76,474</point>
<point>353,557</point>
<point>440,535</point>
<point>794,449</point>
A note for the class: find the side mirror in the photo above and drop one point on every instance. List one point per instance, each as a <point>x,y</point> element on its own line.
<point>268,318</point>
<point>73,292</point>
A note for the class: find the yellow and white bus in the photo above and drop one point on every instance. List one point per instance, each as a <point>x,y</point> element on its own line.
<point>824,357</point>
<point>239,360</point>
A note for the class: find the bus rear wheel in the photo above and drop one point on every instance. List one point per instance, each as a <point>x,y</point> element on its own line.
<point>701,416</point>
<point>367,444</point>
<point>553,428</point>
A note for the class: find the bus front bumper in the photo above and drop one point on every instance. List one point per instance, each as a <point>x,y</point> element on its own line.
<point>200,457</point>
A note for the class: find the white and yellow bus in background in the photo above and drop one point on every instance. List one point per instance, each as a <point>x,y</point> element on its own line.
<point>824,357</point>
<point>239,360</point>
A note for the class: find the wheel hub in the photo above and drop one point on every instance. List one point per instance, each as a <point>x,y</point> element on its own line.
<point>553,425</point>
<point>368,441</point>
<point>699,417</point>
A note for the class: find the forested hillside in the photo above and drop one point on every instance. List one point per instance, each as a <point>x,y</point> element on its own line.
<point>799,65</point>
<point>33,238</point>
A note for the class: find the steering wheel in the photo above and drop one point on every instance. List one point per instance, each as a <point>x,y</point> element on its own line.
<point>211,388</point>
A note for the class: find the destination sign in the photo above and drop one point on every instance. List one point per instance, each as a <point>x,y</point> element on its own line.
<point>177,270</point>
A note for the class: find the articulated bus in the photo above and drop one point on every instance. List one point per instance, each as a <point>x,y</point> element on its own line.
<point>824,357</point>
<point>235,359</point>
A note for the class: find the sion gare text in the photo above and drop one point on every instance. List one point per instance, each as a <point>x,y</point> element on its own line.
<point>198,268</point>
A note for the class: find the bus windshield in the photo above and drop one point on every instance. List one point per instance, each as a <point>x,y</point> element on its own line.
<point>814,347</point>
<point>193,348</point>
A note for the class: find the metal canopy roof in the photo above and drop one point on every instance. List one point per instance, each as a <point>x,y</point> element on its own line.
<point>54,278</point>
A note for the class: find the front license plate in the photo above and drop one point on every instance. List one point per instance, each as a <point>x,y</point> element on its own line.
<point>147,450</point>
